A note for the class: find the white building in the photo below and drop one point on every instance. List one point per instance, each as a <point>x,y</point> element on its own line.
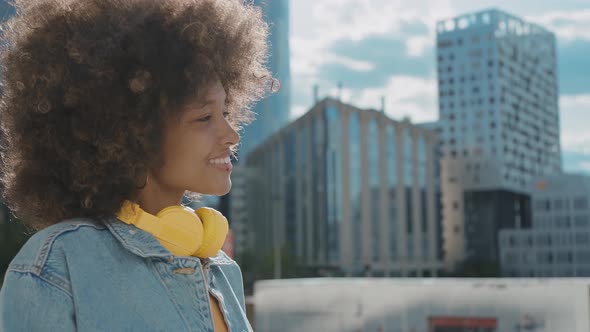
<point>499,122</point>
<point>434,305</point>
<point>558,245</point>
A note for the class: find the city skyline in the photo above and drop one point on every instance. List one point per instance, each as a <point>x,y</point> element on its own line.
<point>377,48</point>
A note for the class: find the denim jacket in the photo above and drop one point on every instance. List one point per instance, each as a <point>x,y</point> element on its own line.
<point>84,276</point>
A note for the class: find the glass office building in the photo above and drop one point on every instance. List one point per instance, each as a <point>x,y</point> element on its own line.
<point>272,112</point>
<point>348,190</point>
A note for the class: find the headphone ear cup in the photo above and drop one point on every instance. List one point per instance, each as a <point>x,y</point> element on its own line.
<point>181,231</point>
<point>215,229</point>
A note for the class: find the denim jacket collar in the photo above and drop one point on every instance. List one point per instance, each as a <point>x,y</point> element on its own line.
<point>144,244</point>
<point>136,240</point>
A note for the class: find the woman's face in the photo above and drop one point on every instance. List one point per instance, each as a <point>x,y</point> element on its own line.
<point>196,147</point>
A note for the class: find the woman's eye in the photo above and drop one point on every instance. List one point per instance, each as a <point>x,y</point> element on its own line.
<point>204,119</point>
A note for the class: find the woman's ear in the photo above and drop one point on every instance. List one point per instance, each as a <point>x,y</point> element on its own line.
<point>143,180</point>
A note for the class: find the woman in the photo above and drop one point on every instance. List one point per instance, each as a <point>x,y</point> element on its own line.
<point>112,111</point>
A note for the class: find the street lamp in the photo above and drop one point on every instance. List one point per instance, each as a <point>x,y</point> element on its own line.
<point>276,240</point>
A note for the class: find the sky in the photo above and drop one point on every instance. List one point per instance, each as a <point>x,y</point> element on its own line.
<point>386,48</point>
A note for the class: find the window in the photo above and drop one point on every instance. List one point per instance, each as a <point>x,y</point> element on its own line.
<point>581,221</point>
<point>581,203</point>
<point>582,238</point>
<point>445,43</point>
<point>563,257</point>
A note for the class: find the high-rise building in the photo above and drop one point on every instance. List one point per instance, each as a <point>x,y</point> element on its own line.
<point>273,112</point>
<point>348,190</point>
<point>558,244</point>
<point>499,120</point>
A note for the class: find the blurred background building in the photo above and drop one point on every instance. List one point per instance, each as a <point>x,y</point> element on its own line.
<point>417,305</point>
<point>272,113</point>
<point>349,191</point>
<point>558,244</point>
<point>499,121</point>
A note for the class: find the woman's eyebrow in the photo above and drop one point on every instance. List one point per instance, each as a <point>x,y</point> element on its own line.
<point>204,103</point>
<point>198,105</point>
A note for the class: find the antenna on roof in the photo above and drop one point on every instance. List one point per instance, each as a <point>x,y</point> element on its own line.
<point>316,92</point>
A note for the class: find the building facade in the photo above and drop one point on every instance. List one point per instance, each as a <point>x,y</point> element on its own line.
<point>350,190</point>
<point>558,244</point>
<point>272,113</point>
<point>242,176</point>
<point>499,122</point>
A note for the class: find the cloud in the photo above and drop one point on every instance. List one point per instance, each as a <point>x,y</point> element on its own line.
<point>363,43</point>
<point>405,96</point>
<point>568,25</point>
<point>576,162</point>
<point>356,65</point>
<point>585,166</point>
<point>574,66</point>
<point>575,116</point>
<point>335,21</point>
<point>386,48</point>
<point>298,110</point>
<point>575,101</point>
<point>417,46</point>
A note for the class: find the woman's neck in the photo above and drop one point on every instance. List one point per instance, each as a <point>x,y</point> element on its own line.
<point>153,198</point>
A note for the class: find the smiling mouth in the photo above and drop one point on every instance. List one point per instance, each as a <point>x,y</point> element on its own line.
<point>223,164</point>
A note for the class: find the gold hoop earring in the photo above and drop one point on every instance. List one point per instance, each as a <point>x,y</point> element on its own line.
<point>145,183</point>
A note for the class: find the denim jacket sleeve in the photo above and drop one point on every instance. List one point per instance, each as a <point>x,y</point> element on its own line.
<point>21,308</point>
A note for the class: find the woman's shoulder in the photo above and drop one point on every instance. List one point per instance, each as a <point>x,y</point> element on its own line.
<point>45,250</point>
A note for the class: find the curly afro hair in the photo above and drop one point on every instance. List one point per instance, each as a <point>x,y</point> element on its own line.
<point>88,84</point>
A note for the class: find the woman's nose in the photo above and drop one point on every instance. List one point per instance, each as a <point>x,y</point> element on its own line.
<point>231,136</point>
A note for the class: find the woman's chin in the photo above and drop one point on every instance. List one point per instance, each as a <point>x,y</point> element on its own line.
<point>216,191</point>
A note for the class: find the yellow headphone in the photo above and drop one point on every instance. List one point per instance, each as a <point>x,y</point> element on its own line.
<point>179,229</point>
